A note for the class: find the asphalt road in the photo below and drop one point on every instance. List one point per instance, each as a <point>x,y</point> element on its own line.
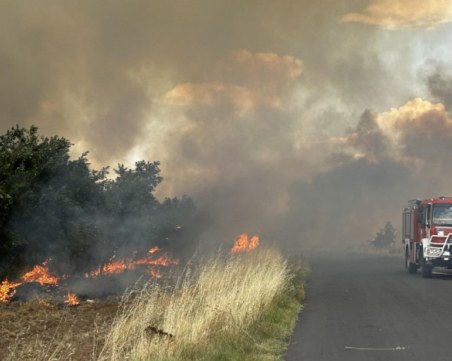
<point>366,307</point>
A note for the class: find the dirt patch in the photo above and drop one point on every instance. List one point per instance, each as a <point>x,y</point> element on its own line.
<point>42,330</point>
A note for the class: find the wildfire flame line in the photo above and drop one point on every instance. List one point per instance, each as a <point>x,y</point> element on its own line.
<point>121,265</point>
<point>244,243</point>
<point>42,275</point>
<point>39,273</point>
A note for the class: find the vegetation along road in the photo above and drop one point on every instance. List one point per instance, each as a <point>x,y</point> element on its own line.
<point>366,307</point>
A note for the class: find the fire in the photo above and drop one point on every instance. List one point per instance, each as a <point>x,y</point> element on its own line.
<point>164,260</point>
<point>112,267</point>
<point>41,275</point>
<point>8,290</point>
<point>72,299</point>
<point>119,266</point>
<point>244,243</point>
<point>153,250</point>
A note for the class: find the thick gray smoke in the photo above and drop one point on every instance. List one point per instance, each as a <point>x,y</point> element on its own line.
<point>256,109</point>
<point>440,86</point>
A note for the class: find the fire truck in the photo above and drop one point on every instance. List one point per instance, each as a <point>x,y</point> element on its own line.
<point>427,234</point>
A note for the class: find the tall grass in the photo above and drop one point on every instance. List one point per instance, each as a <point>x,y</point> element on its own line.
<point>218,300</point>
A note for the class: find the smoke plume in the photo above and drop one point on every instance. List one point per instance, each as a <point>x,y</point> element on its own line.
<point>294,120</point>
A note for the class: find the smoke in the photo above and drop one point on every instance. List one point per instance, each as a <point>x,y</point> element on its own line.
<point>236,139</point>
<point>257,110</point>
<point>388,158</point>
<point>395,14</point>
<point>440,86</point>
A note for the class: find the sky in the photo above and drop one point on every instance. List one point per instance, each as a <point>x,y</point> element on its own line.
<point>308,122</point>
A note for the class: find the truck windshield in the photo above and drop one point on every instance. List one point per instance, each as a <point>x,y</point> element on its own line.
<point>442,214</point>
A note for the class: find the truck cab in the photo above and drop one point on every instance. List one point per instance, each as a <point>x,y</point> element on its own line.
<point>427,234</point>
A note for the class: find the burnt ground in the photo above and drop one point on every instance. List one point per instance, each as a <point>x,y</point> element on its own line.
<point>37,321</point>
<point>32,330</point>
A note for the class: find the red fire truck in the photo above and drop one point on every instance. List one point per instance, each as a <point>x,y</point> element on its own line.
<point>427,234</point>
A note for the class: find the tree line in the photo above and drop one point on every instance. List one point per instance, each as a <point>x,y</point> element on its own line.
<point>52,206</point>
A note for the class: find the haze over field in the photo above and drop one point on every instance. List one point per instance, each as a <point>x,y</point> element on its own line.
<point>305,121</point>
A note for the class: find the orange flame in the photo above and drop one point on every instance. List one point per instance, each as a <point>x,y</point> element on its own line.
<point>41,275</point>
<point>8,290</point>
<point>244,243</point>
<point>164,260</point>
<point>119,266</point>
<point>154,250</point>
<point>72,299</point>
<point>112,267</point>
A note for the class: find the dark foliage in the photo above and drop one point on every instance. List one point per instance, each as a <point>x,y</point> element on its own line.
<point>54,207</point>
<point>385,237</point>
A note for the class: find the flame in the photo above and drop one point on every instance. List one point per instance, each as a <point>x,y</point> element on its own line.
<point>153,250</point>
<point>119,266</point>
<point>244,243</point>
<point>164,260</point>
<point>8,290</point>
<point>72,299</point>
<point>112,267</point>
<point>41,275</point>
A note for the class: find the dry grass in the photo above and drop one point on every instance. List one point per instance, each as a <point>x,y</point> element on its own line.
<point>217,301</point>
<point>243,304</point>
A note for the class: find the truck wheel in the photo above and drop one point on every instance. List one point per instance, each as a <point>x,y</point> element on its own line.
<point>426,269</point>
<point>410,267</point>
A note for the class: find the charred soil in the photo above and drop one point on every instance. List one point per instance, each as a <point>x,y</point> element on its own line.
<point>54,331</point>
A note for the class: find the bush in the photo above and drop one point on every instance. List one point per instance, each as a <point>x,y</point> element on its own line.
<point>385,237</point>
<point>54,207</point>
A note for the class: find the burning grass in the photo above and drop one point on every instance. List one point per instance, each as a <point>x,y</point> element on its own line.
<point>40,274</point>
<point>235,307</point>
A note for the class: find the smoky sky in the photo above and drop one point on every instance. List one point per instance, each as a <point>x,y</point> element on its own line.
<point>273,116</point>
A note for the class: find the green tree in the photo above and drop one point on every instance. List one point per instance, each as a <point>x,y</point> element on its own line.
<point>55,207</point>
<point>132,191</point>
<point>385,237</point>
<point>46,199</point>
<point>134,214</point>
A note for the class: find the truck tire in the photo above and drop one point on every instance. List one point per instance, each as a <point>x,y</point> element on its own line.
<point>410,267</point>
<point>426,269</point>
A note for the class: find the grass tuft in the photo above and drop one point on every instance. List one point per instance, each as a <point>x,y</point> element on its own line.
<point>227,309</point>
